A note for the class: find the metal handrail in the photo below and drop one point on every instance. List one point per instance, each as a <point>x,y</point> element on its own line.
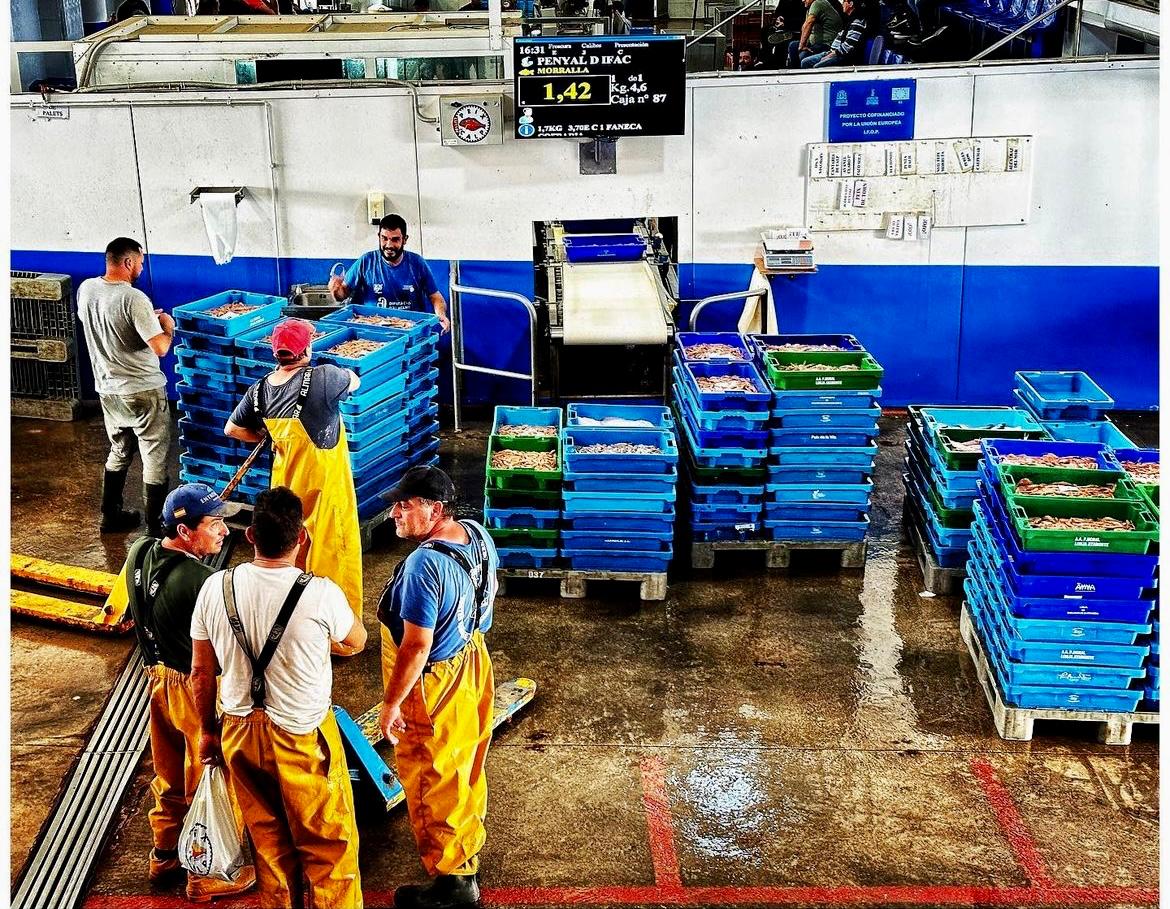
<point>458,366</point>
<point>1040,17</point>
<point>723,298</point>
<point>721,23</point>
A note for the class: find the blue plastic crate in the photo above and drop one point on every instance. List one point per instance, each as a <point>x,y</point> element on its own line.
<point>718,533</point>
<point>422,383</point>
<point>200,343</point>
<point>685,339</point>
<point>945,556</point>
<point>1103,431</point>
<point>805,456</point>
<point>526,416</point>
<point>743,439</point>
<point>815,511</point>
<point>421,403</point>
<point>376,434</point>
<point>794,438</point>
<point>426,325</point>
<point>761,344</point>
<point>578,437</point>
<point>618,502</point>
<point>256,344</point>
<point>1062,395</point>
<point>995,449</point>
<point>720,457</point>
<point>193,317</point>
<point>253,370</point>
<point>208,398</point>
<point>614,560</point>
<point>519,518</point>
<point>1139,455</point>
<point>604,247</point>
<point>223,383</point>
<point>838,494</point>
<point>597,540</point>
<point>215,472</point>
<point>620,482</point>
<point>518,557</point>
<point>370,395</point>
<point>1096,564</point>
<point>203,435</point>
<point>818,474</point>
<point>935,418</point>
<point>393,350</point>
<point>925,477</point>
<point>822,401</point>
<point>594,415</point>
<point>724,495</point>
<point>191,360</point>
<point>426,418</point>
<point>831,531</point>
<point>721,512</point>
<point>386,475</point>
<point>375,450</point>
<point>757,401</point>
<point>721,419</point>
<point>631,521</point>
<point>843,419</point>
<point>213,420</point>
<point>397,404</point>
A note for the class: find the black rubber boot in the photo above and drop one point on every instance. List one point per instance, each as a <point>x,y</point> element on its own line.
<point>447,891</point>
<point>114,518</point>
<point>156,495</point>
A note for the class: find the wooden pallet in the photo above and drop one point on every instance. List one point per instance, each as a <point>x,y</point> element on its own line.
<point>778,553</point>
<point>938,580</point>
<point>573,583</point>
<point>1015,723</point>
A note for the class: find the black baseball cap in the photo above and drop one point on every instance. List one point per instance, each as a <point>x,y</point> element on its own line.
<point>423,483</point>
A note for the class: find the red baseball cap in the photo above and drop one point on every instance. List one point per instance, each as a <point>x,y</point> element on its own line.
<point>292,337</point>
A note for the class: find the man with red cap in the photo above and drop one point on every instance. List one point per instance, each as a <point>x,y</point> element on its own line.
<point>297,404</point>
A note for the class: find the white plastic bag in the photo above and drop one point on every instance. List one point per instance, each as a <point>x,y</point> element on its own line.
<point>209,845</point>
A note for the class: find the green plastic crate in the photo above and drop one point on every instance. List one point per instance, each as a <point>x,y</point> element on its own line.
<point>1149,495</point>
<point>969,460</point>
<point>525,537</point>
<point>1135,541</point>
<point>952,518</point>
<point>528,443</point>
<point>824,375</point>
<point>541,499</point>
<point>1010,474</point>
<point>520,477</point>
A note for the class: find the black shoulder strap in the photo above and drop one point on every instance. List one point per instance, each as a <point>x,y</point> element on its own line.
<point>143,595</point>
<point>304,394</point>
<point>258,687</point>
<point>481,583</point>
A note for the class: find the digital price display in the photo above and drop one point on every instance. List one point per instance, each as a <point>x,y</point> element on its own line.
<point>600,86</point>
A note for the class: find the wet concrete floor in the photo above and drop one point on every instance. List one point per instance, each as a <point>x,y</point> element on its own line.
<point>802,737</point>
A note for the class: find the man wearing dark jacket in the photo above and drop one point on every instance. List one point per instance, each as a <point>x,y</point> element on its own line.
<point>849,44</point>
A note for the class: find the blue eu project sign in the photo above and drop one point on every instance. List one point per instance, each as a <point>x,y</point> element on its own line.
<point>877,110</point>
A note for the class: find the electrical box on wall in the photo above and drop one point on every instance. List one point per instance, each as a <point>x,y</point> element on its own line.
<point>472,120</point>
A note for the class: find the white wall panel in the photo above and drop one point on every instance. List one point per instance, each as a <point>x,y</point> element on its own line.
<point>1095,185</point>
<point>74,186</point>
<point>183,146</point>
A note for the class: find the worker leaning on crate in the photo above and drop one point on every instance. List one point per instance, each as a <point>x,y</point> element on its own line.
<point>125,336</point>
<point>391,276</point>
<point>297,404</point>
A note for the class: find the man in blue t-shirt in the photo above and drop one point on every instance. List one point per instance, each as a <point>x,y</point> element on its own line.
<point>437,706</point>
<point>391,276</point>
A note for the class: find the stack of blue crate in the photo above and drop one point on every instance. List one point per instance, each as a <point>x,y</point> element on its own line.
<point>823,430</point>
<point>723,434</point>
<point>1070,405</point>
<point>620,489</point>
<point>942,470</point>
<point>523,516</point>
<point>206,332</point>
<point>1064,615</point>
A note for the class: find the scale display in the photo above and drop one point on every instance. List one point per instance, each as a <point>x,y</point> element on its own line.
<point>572,88</point>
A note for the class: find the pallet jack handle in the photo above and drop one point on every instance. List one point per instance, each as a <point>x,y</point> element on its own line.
<point>248,462</point>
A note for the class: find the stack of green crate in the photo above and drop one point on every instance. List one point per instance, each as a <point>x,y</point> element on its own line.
<point>522,505</point>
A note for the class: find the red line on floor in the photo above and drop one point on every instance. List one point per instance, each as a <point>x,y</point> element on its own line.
<point>878,895</point>
<point>660,825</point>
<point>1010,822</point>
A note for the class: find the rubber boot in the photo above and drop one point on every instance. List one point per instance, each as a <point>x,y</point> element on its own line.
<point>156,495</point>
<point>447,891</point>
<point>114,518</point>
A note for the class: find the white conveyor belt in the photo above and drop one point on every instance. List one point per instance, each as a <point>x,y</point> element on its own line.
<point>614,303</point>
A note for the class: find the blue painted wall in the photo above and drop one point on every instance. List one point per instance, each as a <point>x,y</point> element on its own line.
<point>944,334</point>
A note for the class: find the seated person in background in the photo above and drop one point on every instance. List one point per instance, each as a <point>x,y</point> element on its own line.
<point>849,44</point>
<point>746,60</point>
<point>820,25</point>
<point>780,30</point>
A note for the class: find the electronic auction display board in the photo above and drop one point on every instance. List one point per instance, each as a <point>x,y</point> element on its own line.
<point>600,86</point>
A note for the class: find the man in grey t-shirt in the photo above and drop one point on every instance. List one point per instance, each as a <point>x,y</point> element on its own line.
<point>126,335</point>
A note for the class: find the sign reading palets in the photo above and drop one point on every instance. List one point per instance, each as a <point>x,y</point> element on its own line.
<point>571,88</point>
<point>874,110</point>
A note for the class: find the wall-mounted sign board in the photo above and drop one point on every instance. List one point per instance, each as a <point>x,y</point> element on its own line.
<point>600,87</point>
<point>873,110</point>
<point>961,182</point>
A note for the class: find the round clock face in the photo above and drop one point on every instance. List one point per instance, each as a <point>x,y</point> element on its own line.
<point>471,122</point>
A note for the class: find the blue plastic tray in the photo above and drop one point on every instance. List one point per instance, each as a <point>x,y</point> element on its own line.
<point>808,418</point>
<point>945,556</point>
<point>814,511</point>
<point>1103,432</point>
<point>374,434</point>
<point>832,531</point>
<point>936,418</point>
<point>375,414</point>
<point>759,400</point>
<point>685,339</point>
<point>952,485</point>
<point>618,502</point>
<point>760,343</point>
<point>422,383</point>
<point>370,395</point>
<point>532,518</point>
<point>719,457</point>
<point>634,522</point>
<point>657,417</point>
<point>919,467</point>
<point>516,557</point>
<point>607,560</point>
<point>740,439</point>
<point>821,400</point>
<point>202,435</point>
<point>577,437</point>
<point>790,438</point>
<point>193,317</point>
<point>213,345</point>
<point>707,533</point>
<point>394,443</point>
<point>604,247</point>
<point>224,383</point>
<point>636,541</point>
<point>191,360</point>
<point>526,416</point>
<point>722,512</point>
<point>393,349</point>
<point>425,331</point>
<point>1063,395</point>
<point>724,495</point>
<point>994,449</point>
<point>256,343</point>
<point>838,494</point>
<point>1140,455</point>
<point>620,482</point>
<point>721,419</point>
<point>827,474</point>
<point>803,456</point>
